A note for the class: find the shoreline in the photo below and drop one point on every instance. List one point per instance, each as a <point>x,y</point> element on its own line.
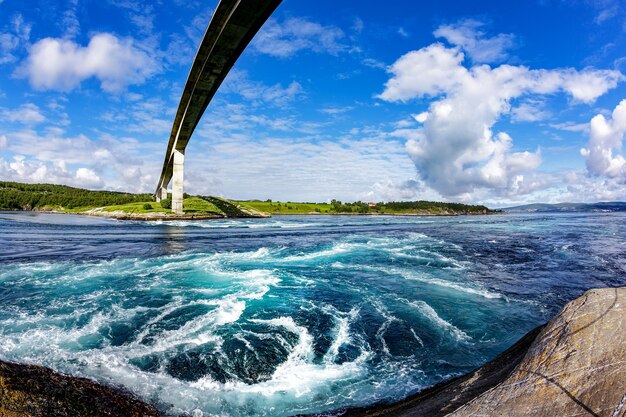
<point>160,216</point>
<point>387,214</point>
<point>38,391</point>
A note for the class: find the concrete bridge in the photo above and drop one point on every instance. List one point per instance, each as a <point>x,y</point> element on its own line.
<point>232,27</point>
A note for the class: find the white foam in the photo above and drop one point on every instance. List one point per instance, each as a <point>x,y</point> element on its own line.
<point>239,224</point>
<point>389,318</point>
<point>410,275</point>
<point>417,338</point>
<point>336,249</point>
<point>454,286</point>
<point>432,315</point>
<point>341,333</point>
<point>298,375</point>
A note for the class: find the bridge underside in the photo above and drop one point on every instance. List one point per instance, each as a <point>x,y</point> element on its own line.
<point>232,27</point>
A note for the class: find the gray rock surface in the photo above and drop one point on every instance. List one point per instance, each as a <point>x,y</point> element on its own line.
<point>575,367</point>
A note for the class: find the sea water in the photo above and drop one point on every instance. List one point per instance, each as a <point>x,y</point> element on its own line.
<point>293,314</point>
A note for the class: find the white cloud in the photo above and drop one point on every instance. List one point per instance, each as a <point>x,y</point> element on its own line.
<point>427,72</point>
<point>530,111</point>
<point>141,115</point>
<point>333,111</point>
<point>421,117</point>
<point>389,190</point>
<point>11,41</point>
<point>140,14</point>
<point>240,153</point>
<point>245,166</point>
<point>3,142</point>
<point>296,34</point>
<point>606,10</point>
<point>81,161</point>
<point>480,48</point>
<point>60,64</point>
<point>579,186</point>
<point>456,152</point>
<point>70,22</point>
<point>28,113</point>
<point>22,169</point>
<point>584,86</point>
<point>374,63</point>
<point>235,121</point>
<point>602,154</point>
<point>239,82</point>
<point>88,178</point>
<point>571,126</point>
<point>195,30</point>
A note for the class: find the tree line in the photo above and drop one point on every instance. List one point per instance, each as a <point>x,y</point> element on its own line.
<point>19,196</point>
<point>433,205</point>
<point>406,206</point>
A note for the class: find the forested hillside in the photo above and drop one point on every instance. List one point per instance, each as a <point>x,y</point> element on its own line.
<point>18,196</point>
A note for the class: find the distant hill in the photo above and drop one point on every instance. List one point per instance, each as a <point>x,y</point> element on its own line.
<point>569,207</point>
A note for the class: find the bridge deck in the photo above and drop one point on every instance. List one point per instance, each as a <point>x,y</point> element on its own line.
<point>232,27</point>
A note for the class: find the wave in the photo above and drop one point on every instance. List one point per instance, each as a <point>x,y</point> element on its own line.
<point>238,224</point>
<point>427,311</point>
<point>341,332</point>
<point>415,276</point>
<point>389,318</point>
<point>334,250</point>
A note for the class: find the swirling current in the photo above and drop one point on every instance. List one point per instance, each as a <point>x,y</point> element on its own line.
<point>289,315</point>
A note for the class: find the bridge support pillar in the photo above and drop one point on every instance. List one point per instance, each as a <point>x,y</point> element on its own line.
<point>177,182</point>
<point>161,194</point>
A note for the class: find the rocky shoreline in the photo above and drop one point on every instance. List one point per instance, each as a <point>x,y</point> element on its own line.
<point>575,365</point>
<point>121,215</point>
<point>36,391</point>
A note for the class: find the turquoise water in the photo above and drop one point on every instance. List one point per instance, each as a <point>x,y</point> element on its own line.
<point>289,315</point>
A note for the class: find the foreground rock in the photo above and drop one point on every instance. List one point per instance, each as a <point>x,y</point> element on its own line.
<point>574,366</point>
<point>35,391</point>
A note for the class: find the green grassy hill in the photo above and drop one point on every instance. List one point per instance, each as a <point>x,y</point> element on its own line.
<point>61,198</point>
<point>289,207</point>
<point>359,207</point>
<point>18,196</point>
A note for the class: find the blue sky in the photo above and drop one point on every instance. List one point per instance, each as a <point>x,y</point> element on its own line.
<point>484,101</point>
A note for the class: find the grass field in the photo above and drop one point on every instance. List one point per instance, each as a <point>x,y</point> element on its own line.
<point>195,205</point>
<point>289,207</point>
<point>425,208</point>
